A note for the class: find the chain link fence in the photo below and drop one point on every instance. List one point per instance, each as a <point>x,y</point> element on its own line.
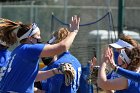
<point>40,12</point>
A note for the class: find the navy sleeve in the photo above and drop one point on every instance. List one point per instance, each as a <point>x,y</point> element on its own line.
<point>109,75</point>
<point>129,74</point>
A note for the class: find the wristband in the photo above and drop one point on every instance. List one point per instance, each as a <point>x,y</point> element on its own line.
<point>76,31</point>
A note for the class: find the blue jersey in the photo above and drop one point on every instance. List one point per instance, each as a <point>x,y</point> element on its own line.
<point>85,87</point>
<point>22,69</point>
<point>129,74</point>
<point>133,87</point>
<point>56,84</point>
<point>113,75</point>
<point>4,56</point>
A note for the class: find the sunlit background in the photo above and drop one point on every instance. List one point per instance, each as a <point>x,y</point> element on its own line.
<point>99,20</point>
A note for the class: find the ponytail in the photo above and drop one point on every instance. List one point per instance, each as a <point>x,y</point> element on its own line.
<point>60,35</point>
<point>7,33</point>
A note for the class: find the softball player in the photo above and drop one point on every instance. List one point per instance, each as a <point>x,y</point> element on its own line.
<point>57,83</point>
<point>23,67</point>
<point>129,58</point>
<point>4,54</point>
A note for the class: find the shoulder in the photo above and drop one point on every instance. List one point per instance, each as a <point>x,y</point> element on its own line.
<point>30,46</point>
<point>31,49</point>
<point>27,46</point>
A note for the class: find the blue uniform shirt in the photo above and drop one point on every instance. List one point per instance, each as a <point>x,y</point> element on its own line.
<point>113,75</point>
<point>133,87</point>
<point>85,87</point>
<point>4,56</point>
<point>129,74</point>
<point>22,69</point>
<point>56,84</point>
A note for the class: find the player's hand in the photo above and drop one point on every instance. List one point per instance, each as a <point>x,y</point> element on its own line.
<point>74,25</point>
<point>93,63</point>
<point>109,56</point>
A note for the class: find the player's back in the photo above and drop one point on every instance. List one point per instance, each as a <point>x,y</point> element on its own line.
<point>56,84</point>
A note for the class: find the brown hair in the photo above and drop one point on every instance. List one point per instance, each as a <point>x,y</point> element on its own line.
<point>61,34</point>
<point>134,55</point>
<point>3,47</point>
<point>129,40</point>
<point>7,28</point>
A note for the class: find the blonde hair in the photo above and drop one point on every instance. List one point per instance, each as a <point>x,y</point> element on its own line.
<point>60,35</point>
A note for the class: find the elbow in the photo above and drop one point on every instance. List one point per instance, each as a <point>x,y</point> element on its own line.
<point>64,46</point>
<point>102,84</point>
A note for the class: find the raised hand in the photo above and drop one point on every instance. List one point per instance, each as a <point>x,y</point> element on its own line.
<point>74,25</point>
<point>93,63</point>
<point>110,58</point>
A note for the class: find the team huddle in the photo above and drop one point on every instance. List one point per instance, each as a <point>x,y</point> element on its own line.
<point>20,73</point>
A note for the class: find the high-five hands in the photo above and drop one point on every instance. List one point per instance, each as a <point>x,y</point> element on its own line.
<point>74,25</point>
<point>110,58</point>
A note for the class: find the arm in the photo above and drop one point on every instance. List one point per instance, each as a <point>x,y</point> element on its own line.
<point>51,50</point>
<point>42,75</point>
<point>129,74</point>
<point>126,73</point>
<point>115,84</point>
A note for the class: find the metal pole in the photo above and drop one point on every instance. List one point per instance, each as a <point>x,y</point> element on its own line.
<point>120,17</point>
<point>52,23</point>
<point>65,10</point>
<point>32,11</point>
<point>0,10</point>
<point>98,36</point>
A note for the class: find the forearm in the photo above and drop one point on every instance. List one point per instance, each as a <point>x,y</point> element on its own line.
<point>64,45</point>
<point>42,75</point>
<point>74,27</point>
<point>102,76</point>
<point>129,74</point>
<point>67,42</point>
